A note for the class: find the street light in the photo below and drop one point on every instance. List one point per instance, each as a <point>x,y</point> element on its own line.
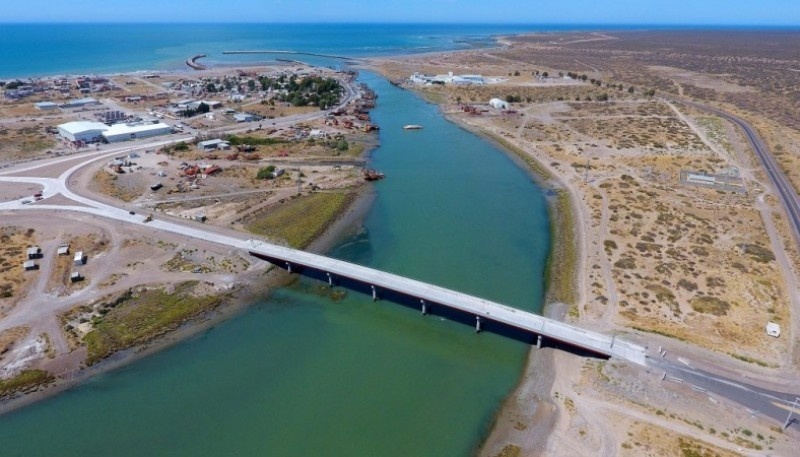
<point>791,412</point>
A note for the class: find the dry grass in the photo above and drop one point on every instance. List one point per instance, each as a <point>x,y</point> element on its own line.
<point>13,280</point>
<point>650,440</point>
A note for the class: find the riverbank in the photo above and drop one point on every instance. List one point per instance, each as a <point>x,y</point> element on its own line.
<point>528,415</point>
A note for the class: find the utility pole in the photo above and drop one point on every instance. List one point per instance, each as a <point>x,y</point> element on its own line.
<point>586,174</point>
<point>791,412</point>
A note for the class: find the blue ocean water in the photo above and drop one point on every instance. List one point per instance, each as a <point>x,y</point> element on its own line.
<point>50,49</point>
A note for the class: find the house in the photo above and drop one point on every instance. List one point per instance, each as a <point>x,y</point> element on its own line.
<point>79,259</point>
<point>34,252</point>
<point>497,103</point>
<point>212,145</point>
<point>75,277</point>
<point>63,249</point>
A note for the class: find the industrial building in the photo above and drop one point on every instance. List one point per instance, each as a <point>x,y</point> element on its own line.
<point>88,132</point>
<point>123,132</point>
<point>84,131</point>
<point>45,106</point>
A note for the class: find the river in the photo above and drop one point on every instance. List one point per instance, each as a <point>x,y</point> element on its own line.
<point>300,374</point>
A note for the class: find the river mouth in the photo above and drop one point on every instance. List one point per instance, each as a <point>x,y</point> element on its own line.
<point>304,373</point>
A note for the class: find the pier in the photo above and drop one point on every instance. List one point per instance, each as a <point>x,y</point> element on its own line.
<point>380,284</point>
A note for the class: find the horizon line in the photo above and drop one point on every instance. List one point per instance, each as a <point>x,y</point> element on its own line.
<point>464,23</point>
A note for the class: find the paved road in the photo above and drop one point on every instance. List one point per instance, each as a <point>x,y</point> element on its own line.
<point>785,190</point>
<point>757,400</point>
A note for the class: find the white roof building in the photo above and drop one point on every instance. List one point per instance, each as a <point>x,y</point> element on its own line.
<point>497,103</point>
<point>85,131</point>
<point>123,132</point>
<point>210,145</point>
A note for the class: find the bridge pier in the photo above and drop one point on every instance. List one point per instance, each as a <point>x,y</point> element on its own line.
<point>477,324</point>
<point>539,342</point>
<point>330,280</point>
<point>374,293</point>
<point>424,307</point>
<point>288,267</point>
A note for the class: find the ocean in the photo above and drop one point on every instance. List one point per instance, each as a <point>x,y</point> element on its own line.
<point>52,49</point>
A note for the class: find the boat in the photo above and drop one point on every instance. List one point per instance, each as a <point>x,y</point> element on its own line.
<point>372,175</point>
<point>412,127</point>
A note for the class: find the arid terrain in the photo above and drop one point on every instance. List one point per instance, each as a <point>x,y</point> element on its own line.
<point>674,236</point>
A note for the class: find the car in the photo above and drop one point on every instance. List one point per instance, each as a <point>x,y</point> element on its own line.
<point>38,199</point>
<point>37,194</point>
<point>131,212</point>
<point>25,202</point>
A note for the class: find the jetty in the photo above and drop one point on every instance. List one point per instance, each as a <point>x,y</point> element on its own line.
<point>429,298</point>
<point>313,54</point>
<point>193,64</point>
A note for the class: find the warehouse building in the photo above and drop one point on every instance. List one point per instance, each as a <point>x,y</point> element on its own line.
<point>84,131</point>
<point>124,132</point>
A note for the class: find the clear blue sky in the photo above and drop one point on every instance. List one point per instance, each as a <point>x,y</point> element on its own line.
<point>691,12</point>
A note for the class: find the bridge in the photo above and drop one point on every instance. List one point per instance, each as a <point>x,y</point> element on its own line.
<point>426,296</point>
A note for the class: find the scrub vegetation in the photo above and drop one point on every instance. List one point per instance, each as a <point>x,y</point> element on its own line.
<point>299,221</point>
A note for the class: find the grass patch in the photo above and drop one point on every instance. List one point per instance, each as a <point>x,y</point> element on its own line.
<point>26,381</point>
<point>510,450</point>
<point>302,219</point>
<point>744,358</point>
<point>710,305</point>
<point>562,265</point>
<point>139,318</point>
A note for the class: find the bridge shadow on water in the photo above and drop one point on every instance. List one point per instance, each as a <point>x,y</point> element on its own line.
<point>431,308</point>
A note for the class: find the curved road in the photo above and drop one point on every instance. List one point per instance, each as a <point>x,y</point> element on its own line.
<point>785,190</point>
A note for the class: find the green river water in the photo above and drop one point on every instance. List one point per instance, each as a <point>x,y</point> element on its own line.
<point>298,374</point>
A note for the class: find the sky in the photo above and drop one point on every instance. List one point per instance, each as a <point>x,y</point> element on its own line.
<point>616,12</point>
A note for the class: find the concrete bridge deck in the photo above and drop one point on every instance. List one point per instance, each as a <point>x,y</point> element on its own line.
<point>294,260</point>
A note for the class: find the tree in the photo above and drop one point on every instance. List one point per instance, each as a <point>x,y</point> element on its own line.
<point>545,74</point>
<point>265,172</point>
<point>181,146</point>
<point>342,145</point>
<point>630,90</point>
<point>602,97</point>
<point>211,87</point>
<point>516,73</point>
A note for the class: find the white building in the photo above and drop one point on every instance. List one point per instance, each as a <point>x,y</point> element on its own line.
<point>124,132</point>
<point>45,106</point>
<point>211,145</point>
<point>82,131</point>
<point>497,103</point>
<point>245,117</point>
